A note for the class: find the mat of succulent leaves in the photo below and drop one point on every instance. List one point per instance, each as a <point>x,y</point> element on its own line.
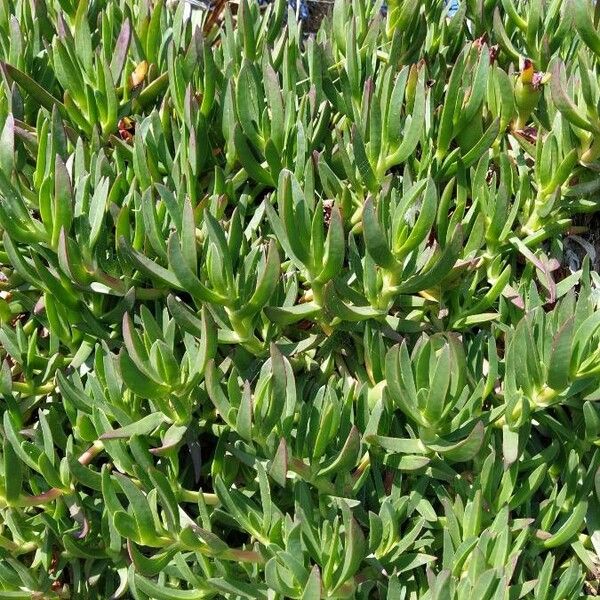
<point>292,317</point>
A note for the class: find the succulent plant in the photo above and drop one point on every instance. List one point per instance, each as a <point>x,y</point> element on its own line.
<point>292,316</point>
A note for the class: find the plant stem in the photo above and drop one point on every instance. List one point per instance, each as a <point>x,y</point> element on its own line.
<point>192,496</point>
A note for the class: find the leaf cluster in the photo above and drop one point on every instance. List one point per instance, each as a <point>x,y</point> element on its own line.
<point>288,316</point>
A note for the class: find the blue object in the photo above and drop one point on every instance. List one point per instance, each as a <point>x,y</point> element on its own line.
<point>452,6</point>
<point>302,11</point>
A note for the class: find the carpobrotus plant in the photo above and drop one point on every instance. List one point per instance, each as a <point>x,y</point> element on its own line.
<point>288,316</point>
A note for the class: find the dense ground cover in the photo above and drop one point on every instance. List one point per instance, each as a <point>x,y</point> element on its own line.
<point>299,317</point>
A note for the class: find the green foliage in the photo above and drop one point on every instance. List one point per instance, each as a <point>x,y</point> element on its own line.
<point>295,317</point>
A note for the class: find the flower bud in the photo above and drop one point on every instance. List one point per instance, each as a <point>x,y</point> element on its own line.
<point>528,90</point>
